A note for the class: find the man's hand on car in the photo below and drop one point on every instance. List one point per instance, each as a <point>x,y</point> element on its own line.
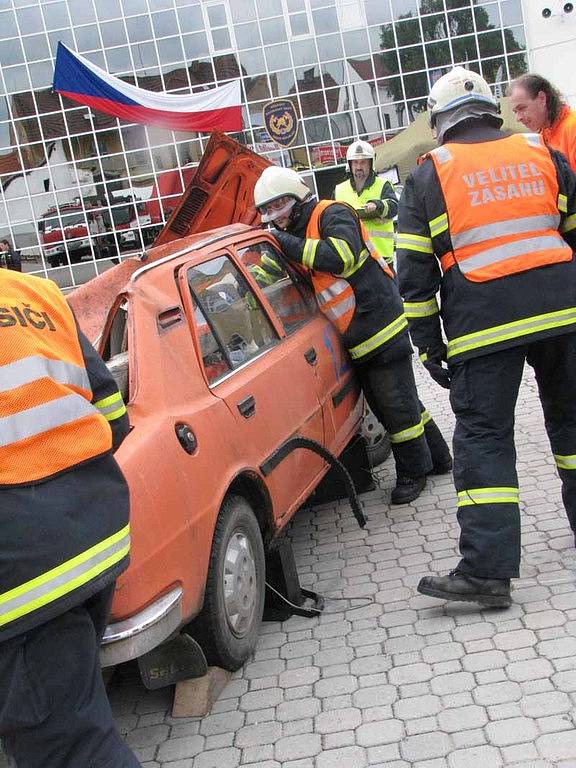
<point>290,244</point>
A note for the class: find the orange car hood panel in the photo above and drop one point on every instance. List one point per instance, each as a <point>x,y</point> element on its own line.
<point>220,193</point>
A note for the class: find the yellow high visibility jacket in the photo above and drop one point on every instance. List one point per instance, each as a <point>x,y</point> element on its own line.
<point>380,231</point>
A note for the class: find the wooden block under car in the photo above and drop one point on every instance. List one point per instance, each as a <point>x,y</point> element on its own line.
<point>196,697</point>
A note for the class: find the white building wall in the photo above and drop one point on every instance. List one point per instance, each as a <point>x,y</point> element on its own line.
<point>551,44</point>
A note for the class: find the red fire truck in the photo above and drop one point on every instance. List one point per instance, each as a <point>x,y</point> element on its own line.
<point>64,227</point>
<point>75,227</point>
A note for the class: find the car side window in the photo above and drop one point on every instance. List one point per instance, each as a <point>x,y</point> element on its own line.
<point>232,325</point>
<point>216,363</point>
<point>289,293</point>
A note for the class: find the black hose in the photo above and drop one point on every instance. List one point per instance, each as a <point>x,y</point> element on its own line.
<point>311,445</point>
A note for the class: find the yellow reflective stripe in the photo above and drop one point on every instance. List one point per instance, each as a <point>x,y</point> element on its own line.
<point>568,224</point>
<point>65,577</point>
<point>379,338</point>
<point>262,275</point>
<point>272,263</point>
<point>363,256</point>
<point>562,203</point>
<point>499,495</point>
<point>110,400</point>
<point>421,308</point>
<point>345,253</point>
<point>438,225</point>
<point>408,434</point>
<point>111,407</point>
<point>511,331</point>
<point>309,253</point>
<point>115,414</point>
<point>565,462</point>
<point>425,417</point>
<point>414,242</point>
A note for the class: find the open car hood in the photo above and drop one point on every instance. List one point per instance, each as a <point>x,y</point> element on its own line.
<point>220,193</point>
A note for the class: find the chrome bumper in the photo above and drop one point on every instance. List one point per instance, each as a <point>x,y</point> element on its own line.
<point>133,637</point>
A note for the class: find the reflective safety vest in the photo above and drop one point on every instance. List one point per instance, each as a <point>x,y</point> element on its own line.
<point>48,421</point>
<point>502,216</point>
<point>380,231</point>
<point>561,135</point>
<point>335,295</point>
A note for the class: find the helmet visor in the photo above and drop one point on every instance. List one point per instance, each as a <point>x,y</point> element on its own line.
<point>276,209</point>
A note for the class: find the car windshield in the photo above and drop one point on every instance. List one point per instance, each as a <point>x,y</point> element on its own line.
<point>68,220</point>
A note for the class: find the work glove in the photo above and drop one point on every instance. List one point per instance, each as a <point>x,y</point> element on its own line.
<point>282,237</point>
<point>290,244</point>
<point>433,364</point>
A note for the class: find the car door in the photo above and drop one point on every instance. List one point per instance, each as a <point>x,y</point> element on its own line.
<point>292,299</point>
<point>260,372</point>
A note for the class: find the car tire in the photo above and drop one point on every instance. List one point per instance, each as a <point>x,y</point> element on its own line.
<point>236,580</point>
<point>378,445</point>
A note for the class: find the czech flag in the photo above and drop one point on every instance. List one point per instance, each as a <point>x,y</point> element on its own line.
<point>217,109</point>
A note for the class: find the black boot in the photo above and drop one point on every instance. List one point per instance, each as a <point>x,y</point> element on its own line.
<point>407,489</point>
<point>461,587</point>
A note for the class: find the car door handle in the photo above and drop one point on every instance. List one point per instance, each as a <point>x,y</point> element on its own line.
<point>311,356</point>
<point>247,407</point>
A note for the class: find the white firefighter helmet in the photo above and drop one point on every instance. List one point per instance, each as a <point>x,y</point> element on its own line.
<point>275,183</point>
<point>360,150</point>
<point>458,87</point>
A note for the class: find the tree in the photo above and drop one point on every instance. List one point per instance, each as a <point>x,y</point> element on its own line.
<point>460,25</point>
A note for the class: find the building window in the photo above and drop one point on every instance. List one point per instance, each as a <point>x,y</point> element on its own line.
<point>351,14</point>
<point>298,21</point>
<point>218,24</point>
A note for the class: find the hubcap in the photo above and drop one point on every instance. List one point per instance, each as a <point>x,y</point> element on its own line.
<point>240,586</point>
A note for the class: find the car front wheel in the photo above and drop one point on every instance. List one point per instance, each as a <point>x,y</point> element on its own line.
<point>234,600</point>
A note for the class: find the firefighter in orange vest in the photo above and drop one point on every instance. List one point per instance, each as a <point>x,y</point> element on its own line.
<point>65,532</point>
<point>356,290</point>
<point>489,220</point>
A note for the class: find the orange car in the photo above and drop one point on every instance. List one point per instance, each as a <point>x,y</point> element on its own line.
<point>218,373</point>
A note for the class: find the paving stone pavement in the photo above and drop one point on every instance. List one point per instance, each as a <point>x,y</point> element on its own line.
<point>386,677</point>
